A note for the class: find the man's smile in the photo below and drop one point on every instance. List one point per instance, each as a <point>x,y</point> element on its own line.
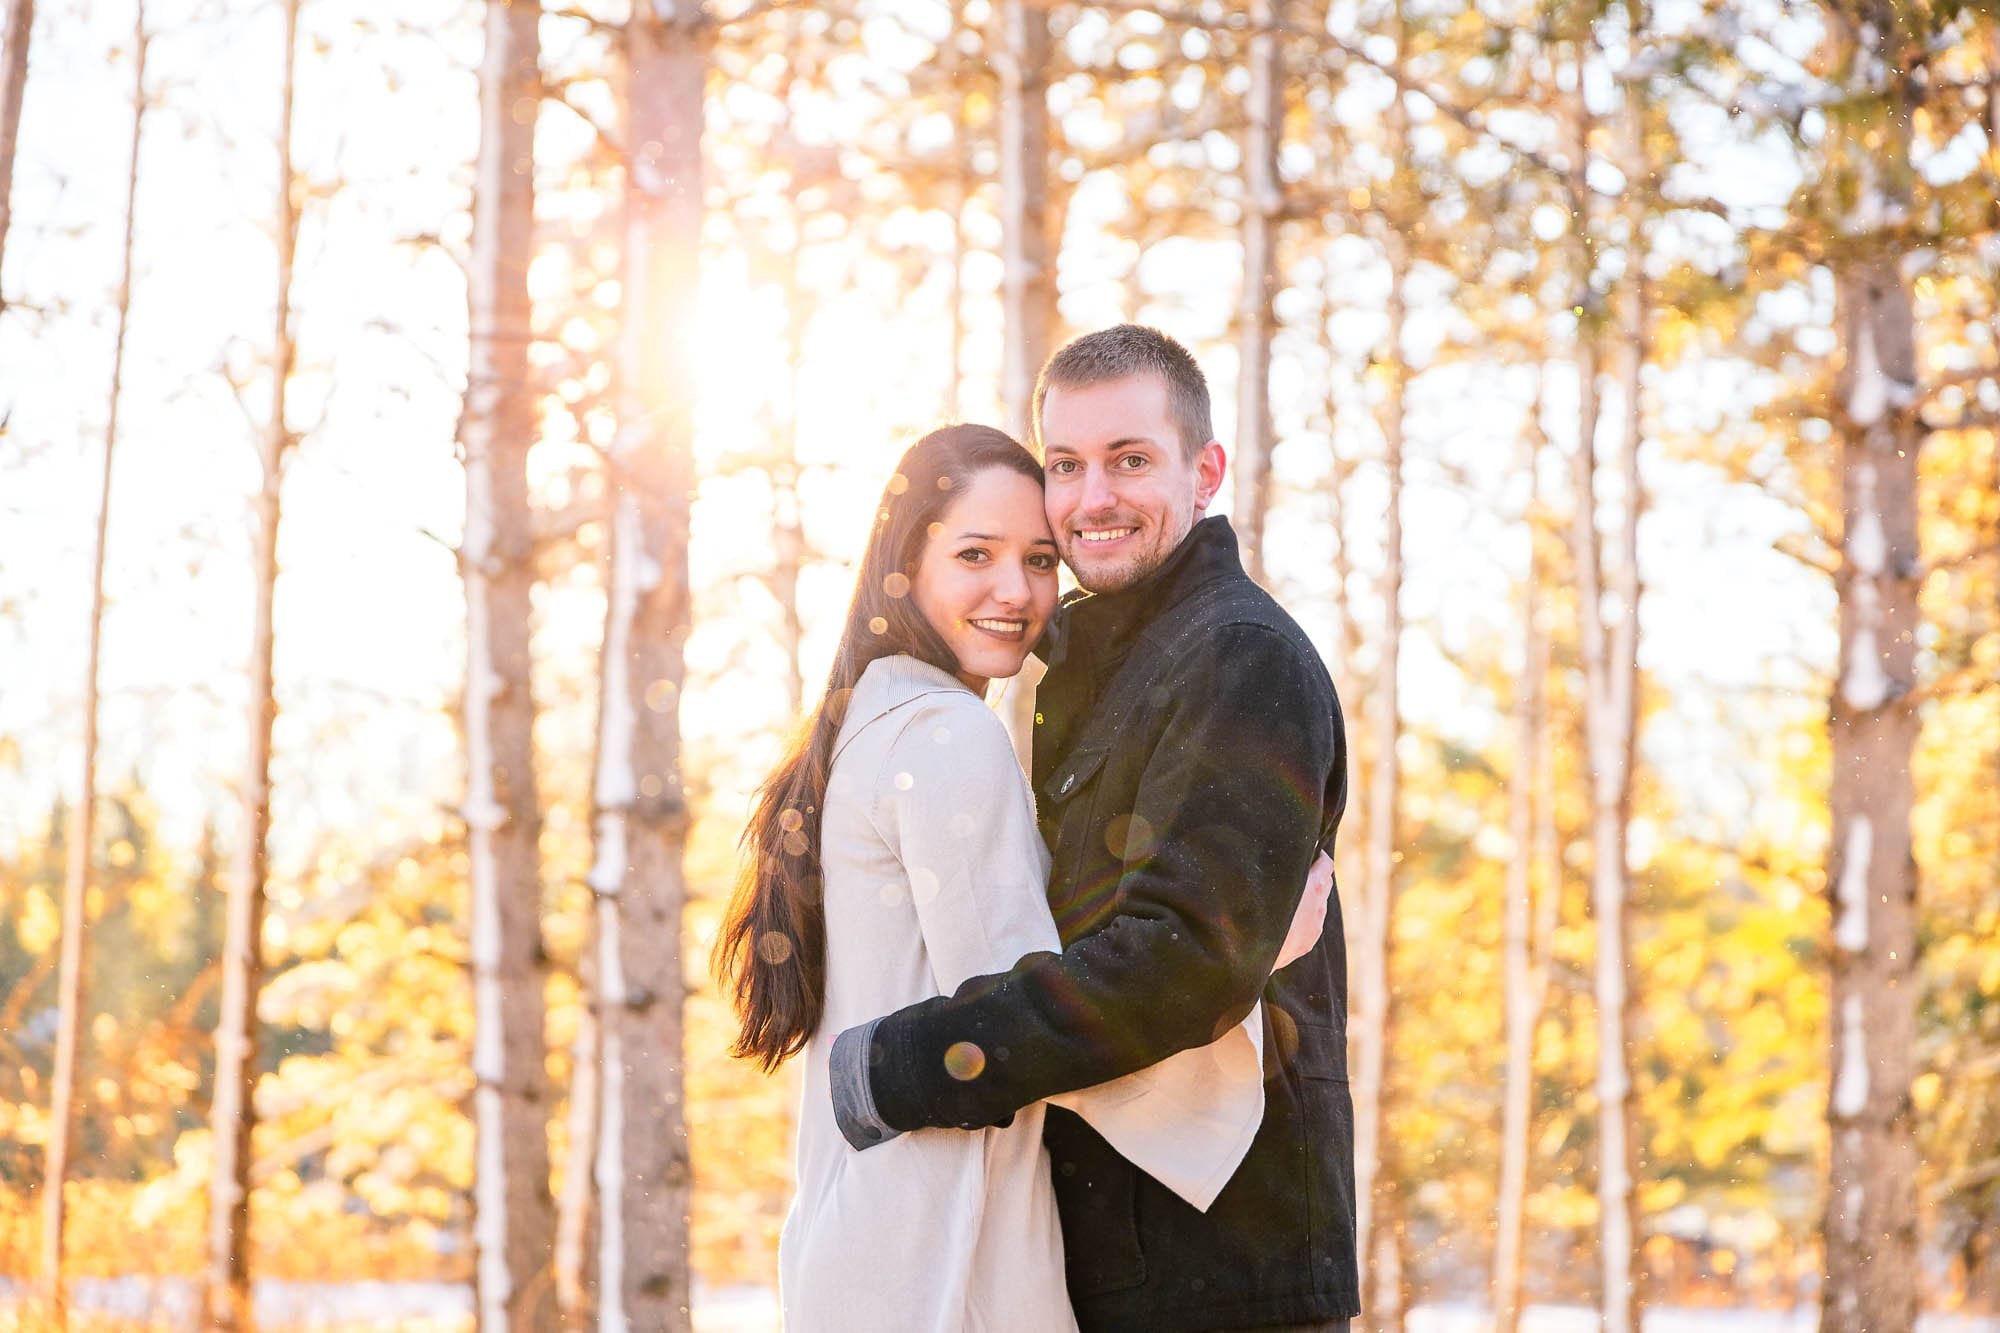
<point>1094,536</point>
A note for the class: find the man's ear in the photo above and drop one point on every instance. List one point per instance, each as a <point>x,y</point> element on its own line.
<point>1209,465</point>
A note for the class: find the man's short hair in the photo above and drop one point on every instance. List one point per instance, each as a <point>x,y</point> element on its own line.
<point>1123,351</point>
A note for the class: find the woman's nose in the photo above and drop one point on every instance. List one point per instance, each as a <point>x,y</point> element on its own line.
<point>1010,584</point>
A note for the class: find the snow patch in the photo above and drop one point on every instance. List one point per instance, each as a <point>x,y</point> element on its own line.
<point>607,871</point>
<point>1852,893</point>
<point>1868,395</point>
<point>616,785</point>
<point>1850,1080</point>
<point>1865,686</point>
<point>490,1206</point>
<point>1867,548</point>
<point>610,1167</point>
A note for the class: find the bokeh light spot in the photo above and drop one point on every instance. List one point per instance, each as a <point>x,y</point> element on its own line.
<point>964,1061</point>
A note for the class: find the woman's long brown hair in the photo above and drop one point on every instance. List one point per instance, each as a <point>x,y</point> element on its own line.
<point>771,954</point>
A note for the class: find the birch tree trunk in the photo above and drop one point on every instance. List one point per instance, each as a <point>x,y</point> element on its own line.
<point>1028,265</point>
<point>1519,963</point>
<point>1374,1005</point>
<point>576,1206</point>
<point>1870,1225</point>
<point>1609,652</point>
<point>82,834</point>
<point>513,1216</point>
<point>1608,648</point>
<point>233,1115</point>
<point>16,34</point>
<point>643,1175</point>
<point>1256,316</point>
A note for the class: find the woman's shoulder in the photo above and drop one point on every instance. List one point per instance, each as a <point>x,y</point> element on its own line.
<point>899,692</point>
<point>926,719</point>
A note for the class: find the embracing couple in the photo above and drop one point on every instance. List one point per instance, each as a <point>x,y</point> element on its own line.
<point>1075,1052</point>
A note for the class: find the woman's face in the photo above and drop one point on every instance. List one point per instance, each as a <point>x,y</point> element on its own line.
<point>986,580</point>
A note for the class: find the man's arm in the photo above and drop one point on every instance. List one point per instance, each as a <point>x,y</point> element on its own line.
<point>1232,796</point>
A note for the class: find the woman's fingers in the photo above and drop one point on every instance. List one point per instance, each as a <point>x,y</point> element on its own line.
<point>1310,918</point>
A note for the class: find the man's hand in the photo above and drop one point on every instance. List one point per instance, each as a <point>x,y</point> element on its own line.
<point>1310,919</point>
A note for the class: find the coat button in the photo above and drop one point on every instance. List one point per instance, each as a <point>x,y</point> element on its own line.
<point>1068,782</point>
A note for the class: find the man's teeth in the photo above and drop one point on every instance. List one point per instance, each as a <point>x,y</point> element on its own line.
<point>1002,626</point>
<point>1106,534</point>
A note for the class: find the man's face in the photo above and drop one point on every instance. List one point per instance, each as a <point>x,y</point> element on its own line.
<point>1122,493</point>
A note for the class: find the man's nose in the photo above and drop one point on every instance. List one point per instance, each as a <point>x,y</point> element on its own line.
<point>1097,493</point>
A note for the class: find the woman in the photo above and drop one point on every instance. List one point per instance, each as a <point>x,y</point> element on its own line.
<point>892,856</point>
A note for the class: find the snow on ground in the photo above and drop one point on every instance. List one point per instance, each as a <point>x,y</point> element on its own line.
<point>445,1307</point>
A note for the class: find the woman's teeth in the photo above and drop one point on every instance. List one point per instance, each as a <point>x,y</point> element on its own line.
<point>1000,626</point>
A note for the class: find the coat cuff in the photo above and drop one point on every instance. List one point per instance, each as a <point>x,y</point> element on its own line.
<point>853,1102</point>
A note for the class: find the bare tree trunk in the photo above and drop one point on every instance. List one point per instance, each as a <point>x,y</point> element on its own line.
<point>1609,652</point>
<point>513,1217</point>
<point>82,827</point>
<point>1374,1002</point>
<point>1028,243</point>
<point>233,1115</point>
<point>643,1175</point>
<point>1519,962</point>
<point>1256,317</point>
<point>576,1213</point>
<point>18,31</point>
<point>1610,669</point>
<point>1870,1226</point>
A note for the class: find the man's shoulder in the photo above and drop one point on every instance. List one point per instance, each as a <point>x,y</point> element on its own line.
<point>1235,615</point>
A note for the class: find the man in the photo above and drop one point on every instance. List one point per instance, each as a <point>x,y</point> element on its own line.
<point>1189,763</point>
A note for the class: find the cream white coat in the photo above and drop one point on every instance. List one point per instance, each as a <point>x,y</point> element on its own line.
<point>935,873</point>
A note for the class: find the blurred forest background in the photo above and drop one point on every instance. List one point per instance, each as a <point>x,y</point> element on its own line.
<point>435,438</point>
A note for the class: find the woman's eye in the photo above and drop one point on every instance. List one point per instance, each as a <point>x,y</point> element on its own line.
<point>1042,560</point>
<point>972,555</point>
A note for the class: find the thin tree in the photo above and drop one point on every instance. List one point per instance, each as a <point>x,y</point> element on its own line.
<point>82,827</point>
<point>513,1215</point>
<point>1028,243</point>
<point>643,1171</point>
<point>1256,315</point>
<point>1608,646</point>
<point>1870,1224</point>
<point>17,32</point>
<point>233,1114</point>
<point>1524,964</point>
<point>1374,999</point>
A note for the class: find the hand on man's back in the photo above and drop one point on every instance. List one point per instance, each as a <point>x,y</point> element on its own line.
<point>1310,919</point>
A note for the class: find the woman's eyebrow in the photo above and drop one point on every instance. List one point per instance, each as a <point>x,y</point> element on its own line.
<point>994,537</point>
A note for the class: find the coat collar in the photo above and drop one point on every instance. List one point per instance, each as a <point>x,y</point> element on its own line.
<point>1104,624</point>
<point>887,683</point>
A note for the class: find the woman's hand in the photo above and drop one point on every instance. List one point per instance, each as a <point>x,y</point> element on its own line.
<point>1310,919</point>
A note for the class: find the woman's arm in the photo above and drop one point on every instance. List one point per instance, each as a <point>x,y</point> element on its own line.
<point>952,802</point>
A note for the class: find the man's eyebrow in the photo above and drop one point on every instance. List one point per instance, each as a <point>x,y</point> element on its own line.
<point>1124,442</point>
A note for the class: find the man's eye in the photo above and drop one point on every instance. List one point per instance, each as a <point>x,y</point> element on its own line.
<point>1132,462</point>
<point>1063,466</point>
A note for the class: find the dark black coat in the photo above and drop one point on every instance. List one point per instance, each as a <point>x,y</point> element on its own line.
<point>1189,760</point>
